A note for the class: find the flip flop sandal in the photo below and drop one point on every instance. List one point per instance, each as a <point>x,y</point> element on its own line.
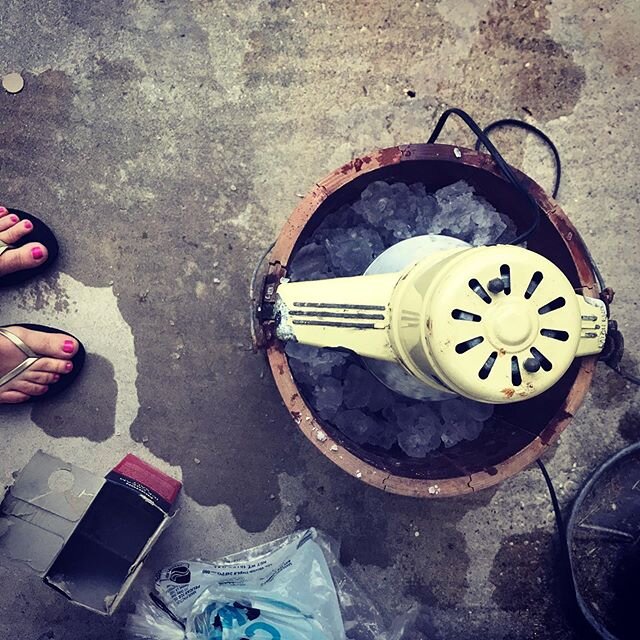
<point>31,358</point>
<point>40,233</point>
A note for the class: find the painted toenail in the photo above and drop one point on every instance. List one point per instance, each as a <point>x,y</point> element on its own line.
<point>56,377</point>
<point>28,225</point>
<point>68,346</point>
<point>3,209</point>
<point>37,253</point>
<point>68,366</point>
<point>13,218</point>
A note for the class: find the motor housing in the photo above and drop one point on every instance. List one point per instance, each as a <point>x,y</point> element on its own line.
<point>496,324</point>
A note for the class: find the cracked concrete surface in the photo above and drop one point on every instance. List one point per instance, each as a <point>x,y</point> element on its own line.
<point>165,142</point>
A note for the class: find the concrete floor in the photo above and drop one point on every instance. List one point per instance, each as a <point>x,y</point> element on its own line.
<point>165,142</point>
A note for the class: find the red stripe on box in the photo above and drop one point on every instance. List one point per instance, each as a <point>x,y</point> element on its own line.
<point>165,486</point>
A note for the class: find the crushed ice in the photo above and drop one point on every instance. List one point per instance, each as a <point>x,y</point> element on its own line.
<point>340,389</point>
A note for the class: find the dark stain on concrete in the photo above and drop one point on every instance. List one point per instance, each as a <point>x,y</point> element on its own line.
<point>525,556</point>
<point>421,591</point>
<point>378,528</point>
<point>216,403</point>
<point>629,426</point>
<point>526,577</point>
<point>29,122</point>
<point>114,75</point>
<point>518,61</point>
<point>274,50</point>
<point>608,388</point>
<point>44,292</point>
<point>88,409</point>
<point>96,17</point>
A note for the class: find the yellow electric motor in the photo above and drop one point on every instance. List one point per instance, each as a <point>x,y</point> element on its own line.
<point>496,324</point>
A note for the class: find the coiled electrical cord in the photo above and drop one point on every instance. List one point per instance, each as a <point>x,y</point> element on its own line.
<point>521,124</point>
<point>483,139</point>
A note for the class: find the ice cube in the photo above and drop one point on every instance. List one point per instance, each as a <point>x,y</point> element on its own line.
<point>351,251</point>
<point>418,189</point>
<point>408,415</point>
<point>510,232</point>
<point>478,410</point>
<point>375,203</point>
<point>463,214</point>
<point>427,207</point>
<point>385,435</point>
<point>344,218</point>
<point>398,230</point>
<point>418,442</point>
<point>356,424</point>
<point>321,361</point>
<point>310,263</point>
<point>327,396</point>
<point>459,424</point>
<point>418,427</point>
<point>363,390</point>
<point>301,372</point>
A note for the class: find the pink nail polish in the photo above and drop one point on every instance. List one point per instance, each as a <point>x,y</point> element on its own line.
<point>68,366</point>
<point>56,377</point>
<point>13,218</point>
<point>28,225</point>
<point>68,346</point>
<point>3,209</point>
<point>36,252</point>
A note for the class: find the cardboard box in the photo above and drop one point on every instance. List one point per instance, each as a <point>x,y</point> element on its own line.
<point>86,536</point>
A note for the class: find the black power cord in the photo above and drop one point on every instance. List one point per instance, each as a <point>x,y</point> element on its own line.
<point>521,124</point>
<point>498,159</point>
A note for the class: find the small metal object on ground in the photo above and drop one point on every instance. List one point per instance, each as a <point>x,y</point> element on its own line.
<point>13,83</point>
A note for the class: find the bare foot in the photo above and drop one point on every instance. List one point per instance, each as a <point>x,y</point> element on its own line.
<point>27,256</point>
<point>56,350</point>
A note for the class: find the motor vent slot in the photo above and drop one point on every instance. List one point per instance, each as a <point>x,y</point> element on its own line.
<point>516,378</point>
<point>556,334</point>
<point>505,274</point>
<point>536,279</point>
<point>556,303</point>
<point>485,370</point>
<point>459,314</point>
<point>545,363</point>
<point>479,290</point>
<point>463,347</point>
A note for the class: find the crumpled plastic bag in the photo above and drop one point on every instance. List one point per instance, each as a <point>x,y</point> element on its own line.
<point>290,589</point>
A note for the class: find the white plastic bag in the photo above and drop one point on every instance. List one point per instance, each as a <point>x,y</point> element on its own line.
<point>290,589</point>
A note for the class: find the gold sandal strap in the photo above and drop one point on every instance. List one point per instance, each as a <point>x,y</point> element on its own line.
<point>15,372</point>
<point>18,343</point>
<point>31,356</point>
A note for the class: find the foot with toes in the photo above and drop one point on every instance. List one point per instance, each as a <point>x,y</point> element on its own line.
<point>16,252</point>
<point>35,361</point>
